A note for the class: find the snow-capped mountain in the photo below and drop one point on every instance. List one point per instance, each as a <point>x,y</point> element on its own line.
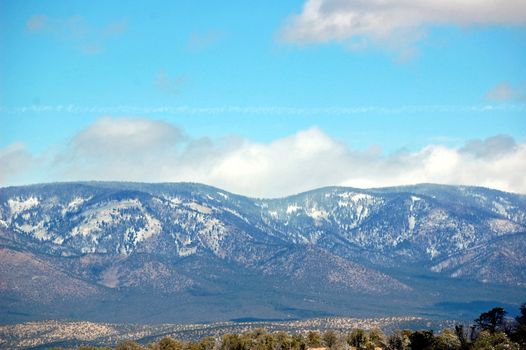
<point>102,240</point>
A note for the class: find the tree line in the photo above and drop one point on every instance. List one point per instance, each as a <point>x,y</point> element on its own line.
<point>492,330</point>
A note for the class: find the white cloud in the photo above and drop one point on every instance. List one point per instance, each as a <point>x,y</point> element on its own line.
<point>118,136</point>
<point>155,151</point>
<point>119,148</point>
<point>393,23</point>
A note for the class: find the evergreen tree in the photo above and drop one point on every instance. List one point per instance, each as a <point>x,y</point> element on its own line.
<point>377,338</point>
<point>168,343</point>
<point>128,345</point>
<point>330,338</point>
<point>207,343</point>
<point>236,342</point>
<point>521,319</point>
<point>283,341</point>
<point>421,340</point>
<point>298,342</point>
<point>357,338</point>
<point>398,341</point>
<point>461,336</point>
<point>491,321</point>
<point>488,340</point>
<point>518,335</point>
<point>313,339</point>
<point>447,340</point>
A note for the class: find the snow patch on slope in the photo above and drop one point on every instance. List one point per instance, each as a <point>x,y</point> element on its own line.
<point>411,222</point>
<point>501,226</point>
<point>152,228</point>
<point>292,208</point>
<point>211,235</point>
<point>235,213</point>
<point>74,205</point>
<point>317,214</point>
<point>18,205</point>
<point>200,208</point>
<point>273,214</point>
<point>186,251</point>
<point>175,201</point>
<point>223,195</point>
<point>38,231</point>
<point>355,197</point>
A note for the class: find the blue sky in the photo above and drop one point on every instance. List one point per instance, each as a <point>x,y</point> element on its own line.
<point>259,72</point>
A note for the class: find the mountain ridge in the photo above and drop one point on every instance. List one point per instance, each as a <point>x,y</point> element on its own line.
<point>396,188</point>
<point>124,241</point>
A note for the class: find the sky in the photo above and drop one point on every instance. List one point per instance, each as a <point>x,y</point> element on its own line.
<point>264,98</point>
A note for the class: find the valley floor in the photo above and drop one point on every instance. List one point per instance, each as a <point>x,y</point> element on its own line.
<point>48,334</point>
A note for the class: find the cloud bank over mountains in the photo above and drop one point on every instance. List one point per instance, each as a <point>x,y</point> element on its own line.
<point>134,149</point>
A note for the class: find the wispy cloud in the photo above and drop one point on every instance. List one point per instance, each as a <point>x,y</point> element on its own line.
<point>170,84</point>
<point>490,148</point>
<point>395,24</point>
<point>266,110</point>
<point>136,149</point>
<point>507,92</point>
<point>76,31</point>
<point>38,23</point>
<point>15,159</point>
<point>202,40</point>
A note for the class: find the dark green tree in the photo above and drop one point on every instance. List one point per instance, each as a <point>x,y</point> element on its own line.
<point>421,340</point>
<point>377,338</point>
<point>283,341</point>
<point>518,334</point>
<point>168,343</point>
<point>461,336</point>
<point>268,342</point>
<point>207,343</point>
<point>447,340</point>
<point>128,345</point>
<point>521,319</point>
<point>236,342</point>
<point>152,346</point>
<point>313,339</point>
<point>357,338</point>
<point>298,342</point>
<point>491,321</point>
<point>330,339</point>
<point>192,346</point>
<point>488,340</point>
<point>398,341</point>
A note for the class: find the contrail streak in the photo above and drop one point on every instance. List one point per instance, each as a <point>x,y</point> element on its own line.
<point>269,110</point>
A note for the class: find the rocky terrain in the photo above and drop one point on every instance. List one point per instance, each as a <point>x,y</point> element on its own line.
<point>134,252</point>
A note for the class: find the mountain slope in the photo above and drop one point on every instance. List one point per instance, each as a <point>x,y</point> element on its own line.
<point>110,243</point>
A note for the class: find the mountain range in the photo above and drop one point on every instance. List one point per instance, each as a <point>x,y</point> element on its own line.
<point>184,252</point>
